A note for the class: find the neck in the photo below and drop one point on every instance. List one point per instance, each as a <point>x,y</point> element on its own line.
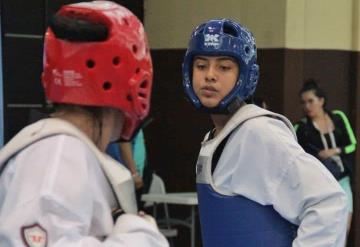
<point>220,120</point>
<point>86,122</point>
<point>320,116</point>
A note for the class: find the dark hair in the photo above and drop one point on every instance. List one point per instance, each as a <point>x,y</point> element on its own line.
<point>311,85</point>
<point>76,28</point>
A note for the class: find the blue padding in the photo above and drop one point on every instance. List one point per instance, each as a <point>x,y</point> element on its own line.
<point>234,221</point>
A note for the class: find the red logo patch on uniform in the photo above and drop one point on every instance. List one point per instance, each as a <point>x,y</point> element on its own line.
<point>34,235</point>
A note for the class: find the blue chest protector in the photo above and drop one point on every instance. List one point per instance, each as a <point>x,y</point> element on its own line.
<point>234,220</point>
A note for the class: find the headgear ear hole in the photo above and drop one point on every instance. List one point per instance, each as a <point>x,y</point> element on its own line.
<point>134,48</point>
<point>144,84</point>
<point>116,60</point>
<point>129,98</point>
<point>107,85</point>
<point>126,21</point>
<point>90,63</point>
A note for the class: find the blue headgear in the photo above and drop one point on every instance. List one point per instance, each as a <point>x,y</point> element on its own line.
<point>223,37</point>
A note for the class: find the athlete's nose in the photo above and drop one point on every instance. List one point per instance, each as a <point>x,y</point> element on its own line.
<point>210,75</point>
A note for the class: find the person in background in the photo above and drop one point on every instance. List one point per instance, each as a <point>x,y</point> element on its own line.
<point>134,156</point>
<point>253,178</point>
<point>114,151</point>
<point>57,187</point>
<point>328,136</point>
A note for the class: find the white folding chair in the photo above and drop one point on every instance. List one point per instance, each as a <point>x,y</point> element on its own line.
<point>157,186</point>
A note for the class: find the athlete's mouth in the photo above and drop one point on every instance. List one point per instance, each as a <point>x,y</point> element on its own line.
<point>209,88</point>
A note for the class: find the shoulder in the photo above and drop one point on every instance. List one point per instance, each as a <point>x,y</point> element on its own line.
<point>269,145</point>
<point>57,152</point>
<point>269,132</point>
<point>60,144</point>
<point>338,115</point>
<point>266,126</point>
<point>56,169</point>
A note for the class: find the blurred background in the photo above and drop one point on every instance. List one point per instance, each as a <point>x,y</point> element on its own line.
<point>296,40</point>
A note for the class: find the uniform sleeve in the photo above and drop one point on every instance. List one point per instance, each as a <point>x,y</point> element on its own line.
<point>309,197</point>
<point>350,139</point>
<point>275,170</point>
<point>50,197</point>
<point>132,230</point>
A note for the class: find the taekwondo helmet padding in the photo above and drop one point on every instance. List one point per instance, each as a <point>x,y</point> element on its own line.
<point>115,72</point>
<point>223,37</point>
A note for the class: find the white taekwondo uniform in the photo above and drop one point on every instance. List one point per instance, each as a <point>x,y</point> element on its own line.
<point>265,190</point>
<point>55,191</point>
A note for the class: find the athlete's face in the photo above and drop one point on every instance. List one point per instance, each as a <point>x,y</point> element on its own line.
<point>213,78</point>
<point>312,104</point>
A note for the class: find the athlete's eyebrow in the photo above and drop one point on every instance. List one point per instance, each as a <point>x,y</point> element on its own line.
<point>226,58</point>
<point>200,58</point>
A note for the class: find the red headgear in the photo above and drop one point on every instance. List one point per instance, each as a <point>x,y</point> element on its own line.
<point>116,72</point>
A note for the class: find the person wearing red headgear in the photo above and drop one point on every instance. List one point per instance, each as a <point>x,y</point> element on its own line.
<point>57,187</point>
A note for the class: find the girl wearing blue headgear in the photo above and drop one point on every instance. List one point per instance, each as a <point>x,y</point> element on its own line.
<point>254,182</point>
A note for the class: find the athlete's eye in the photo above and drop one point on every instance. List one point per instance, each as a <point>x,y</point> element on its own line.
<point>200,66</point>
<point>225,68</point>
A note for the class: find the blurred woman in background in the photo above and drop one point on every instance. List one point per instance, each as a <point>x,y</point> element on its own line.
<point>328,136</point>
